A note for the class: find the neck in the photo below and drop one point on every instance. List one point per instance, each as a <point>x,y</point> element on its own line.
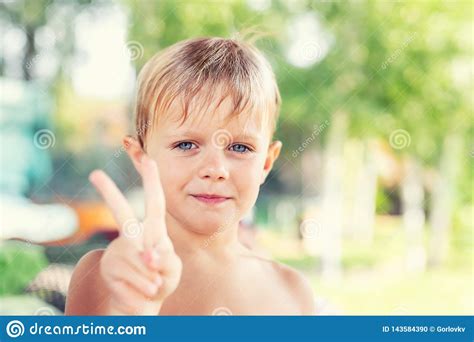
<point>189,244</point>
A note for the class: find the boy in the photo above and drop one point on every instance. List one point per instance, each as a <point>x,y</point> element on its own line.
<point>206,111</point>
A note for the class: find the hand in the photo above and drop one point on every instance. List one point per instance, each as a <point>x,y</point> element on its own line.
<point>140,267</point>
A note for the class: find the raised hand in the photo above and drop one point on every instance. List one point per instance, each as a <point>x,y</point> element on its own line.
<point>140,267</point>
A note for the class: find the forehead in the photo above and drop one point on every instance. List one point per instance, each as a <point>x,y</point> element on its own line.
<point>209,112</point>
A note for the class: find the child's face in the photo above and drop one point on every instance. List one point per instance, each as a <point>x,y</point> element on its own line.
<point>211,155</point>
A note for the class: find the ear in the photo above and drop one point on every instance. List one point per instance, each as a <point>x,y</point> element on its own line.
<point>273,152</point>
<point>134,151</point>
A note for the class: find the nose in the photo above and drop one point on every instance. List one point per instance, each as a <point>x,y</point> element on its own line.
<point>213,166</point>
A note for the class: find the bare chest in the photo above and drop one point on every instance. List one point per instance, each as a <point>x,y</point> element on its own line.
<point>235,293</point>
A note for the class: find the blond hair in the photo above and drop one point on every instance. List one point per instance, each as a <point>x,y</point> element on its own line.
<point>185,68</point>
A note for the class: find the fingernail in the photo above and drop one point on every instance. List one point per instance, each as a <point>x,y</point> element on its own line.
<point>158,281</point>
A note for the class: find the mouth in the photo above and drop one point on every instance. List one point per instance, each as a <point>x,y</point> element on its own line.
<point>211,198</point>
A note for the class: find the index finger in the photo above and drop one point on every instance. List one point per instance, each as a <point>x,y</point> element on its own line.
<point>114,199</point>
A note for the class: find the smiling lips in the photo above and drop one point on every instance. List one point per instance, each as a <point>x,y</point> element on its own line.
<point>210,198</point>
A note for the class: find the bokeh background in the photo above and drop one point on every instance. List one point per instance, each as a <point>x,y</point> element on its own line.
<point>371,197</point>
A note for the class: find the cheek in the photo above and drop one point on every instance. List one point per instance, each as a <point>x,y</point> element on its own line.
<point>173,183</point>
<point>247,178</point>
<point>173,177</point>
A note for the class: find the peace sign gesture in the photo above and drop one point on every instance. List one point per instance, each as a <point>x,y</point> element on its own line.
<point>140,267</point>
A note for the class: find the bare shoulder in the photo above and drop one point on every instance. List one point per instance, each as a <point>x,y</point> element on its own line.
<point>86,290</point>
<point>298,284</point>
<point>295,282</point>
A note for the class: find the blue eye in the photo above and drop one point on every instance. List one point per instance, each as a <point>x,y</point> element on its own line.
<point>185,145</point>
<point>239,148</point>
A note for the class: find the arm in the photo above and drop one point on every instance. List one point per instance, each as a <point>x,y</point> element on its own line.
<point>87,294</point>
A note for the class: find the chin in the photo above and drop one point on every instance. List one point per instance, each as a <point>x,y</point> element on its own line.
<point>209,223</point>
